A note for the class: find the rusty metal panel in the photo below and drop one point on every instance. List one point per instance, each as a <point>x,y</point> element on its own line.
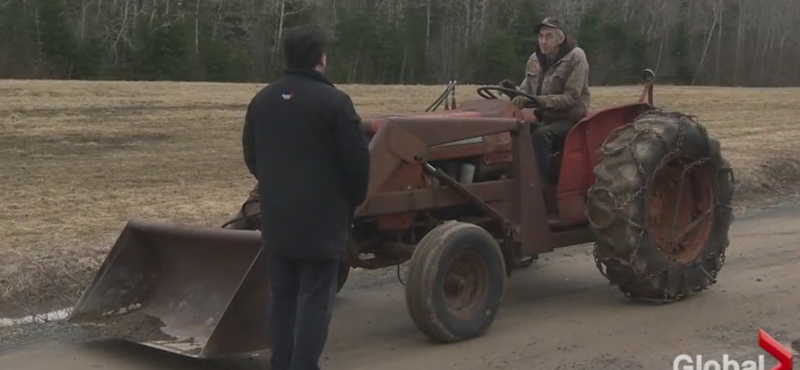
<point>441,130</point>
<point>572,207</point>
<point>383,161</point>
<point>582,147</point>
<point>406,175</point>
<point>528,197</point>
<point>439,153</point>
<point>396,221</point>
<point>401,139</point>
<point>404,145</point>
<point>581,153</point>
<point>428,198</point>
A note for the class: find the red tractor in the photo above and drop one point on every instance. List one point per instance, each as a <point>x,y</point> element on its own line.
<point>457,194</point>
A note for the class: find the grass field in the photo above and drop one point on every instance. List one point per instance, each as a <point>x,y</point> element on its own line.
<point>78,159</point>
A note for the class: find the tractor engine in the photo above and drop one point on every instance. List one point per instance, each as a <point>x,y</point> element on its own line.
<point>478,159</point>
<point>468,161</point>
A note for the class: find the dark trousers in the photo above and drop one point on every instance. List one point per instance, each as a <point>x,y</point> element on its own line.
<point>302,293</point>
<point>545,139</point>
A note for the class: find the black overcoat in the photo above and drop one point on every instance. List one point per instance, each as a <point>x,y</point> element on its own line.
<point>303,142</point>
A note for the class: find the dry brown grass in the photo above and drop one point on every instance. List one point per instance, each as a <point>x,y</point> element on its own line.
<point>79,159</point>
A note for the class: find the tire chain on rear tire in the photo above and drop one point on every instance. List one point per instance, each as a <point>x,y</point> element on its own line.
<point>648,181</point>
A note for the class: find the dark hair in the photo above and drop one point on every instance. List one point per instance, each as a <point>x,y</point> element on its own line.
<point>303,46</point>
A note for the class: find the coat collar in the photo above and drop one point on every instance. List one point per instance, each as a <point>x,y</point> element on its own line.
<point>310,73</point>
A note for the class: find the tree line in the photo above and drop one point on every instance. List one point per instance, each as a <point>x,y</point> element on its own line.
<point>701,42</point>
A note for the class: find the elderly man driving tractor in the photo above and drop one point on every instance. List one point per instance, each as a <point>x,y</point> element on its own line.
<point>557,75</point>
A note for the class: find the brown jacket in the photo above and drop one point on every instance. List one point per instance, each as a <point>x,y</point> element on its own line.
<point>563,88</point>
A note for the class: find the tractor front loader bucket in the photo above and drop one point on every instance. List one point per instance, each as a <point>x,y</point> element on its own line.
<point>196,291</point>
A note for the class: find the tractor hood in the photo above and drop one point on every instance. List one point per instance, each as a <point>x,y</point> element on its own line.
<point>489,108</point>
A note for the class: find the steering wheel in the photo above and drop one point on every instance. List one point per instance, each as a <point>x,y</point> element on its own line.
<point>485,92</point>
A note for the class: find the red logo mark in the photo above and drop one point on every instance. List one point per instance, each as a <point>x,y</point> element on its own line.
<point>777,350</point>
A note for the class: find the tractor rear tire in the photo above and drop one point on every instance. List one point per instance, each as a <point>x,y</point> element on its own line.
<point>661,181</point>
<point>431,278</point>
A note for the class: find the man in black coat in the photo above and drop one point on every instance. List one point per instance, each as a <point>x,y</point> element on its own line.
<point>302,141</point>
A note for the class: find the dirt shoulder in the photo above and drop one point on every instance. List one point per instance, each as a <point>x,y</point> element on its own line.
<point>558,313</point>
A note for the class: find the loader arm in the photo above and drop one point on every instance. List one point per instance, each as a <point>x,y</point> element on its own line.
<point>409,139</point>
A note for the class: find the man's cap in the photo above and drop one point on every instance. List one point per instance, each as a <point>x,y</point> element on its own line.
<point>549,22</point>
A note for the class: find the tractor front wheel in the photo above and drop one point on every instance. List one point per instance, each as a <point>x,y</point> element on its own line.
<point>660,208</point>
<point>455,282</point>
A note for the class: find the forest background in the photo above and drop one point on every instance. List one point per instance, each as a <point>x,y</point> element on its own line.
<point>753,43</point>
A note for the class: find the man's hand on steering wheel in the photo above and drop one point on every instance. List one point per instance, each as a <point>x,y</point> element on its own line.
<point>507,84</point>
<point>521,101</point>
<point>519,98</point>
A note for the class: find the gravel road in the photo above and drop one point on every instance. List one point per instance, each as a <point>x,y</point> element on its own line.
<point>558,314</point>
